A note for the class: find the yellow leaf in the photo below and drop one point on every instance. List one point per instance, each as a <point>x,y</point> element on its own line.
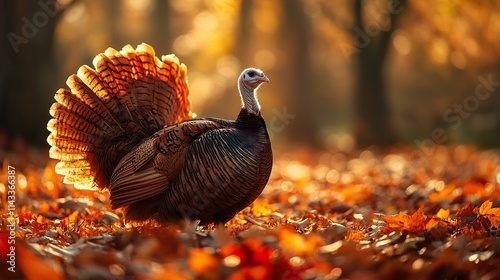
<point>492,214</point>
<point>432,223</point>
<point>72,217</point>
<point>443,214</point>
<point>485,207</point>
<point>261,207</point>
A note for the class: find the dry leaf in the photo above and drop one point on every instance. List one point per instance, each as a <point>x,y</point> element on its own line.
<point>492,214</point>
<point>412,223</point>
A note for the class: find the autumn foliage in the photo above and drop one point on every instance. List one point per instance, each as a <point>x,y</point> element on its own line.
<point>468,217</point>
<point>329,215</point>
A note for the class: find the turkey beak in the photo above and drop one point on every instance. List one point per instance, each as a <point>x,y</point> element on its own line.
<point>264,78</point>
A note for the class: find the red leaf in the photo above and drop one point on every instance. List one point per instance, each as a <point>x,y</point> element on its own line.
<point>469,217</point>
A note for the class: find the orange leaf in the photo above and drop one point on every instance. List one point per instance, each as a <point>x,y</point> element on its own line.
<point>26,217</point>
<point>446,194</point>
<point>492,214</point>
<point>440,221</point>
<point>432,223</point>
<point>412,223</point>
<point>485,207</point>
<point>355,235</point>
<point>73,216</point>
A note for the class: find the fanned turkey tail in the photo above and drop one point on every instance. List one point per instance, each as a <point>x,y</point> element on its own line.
<point>129,96</point>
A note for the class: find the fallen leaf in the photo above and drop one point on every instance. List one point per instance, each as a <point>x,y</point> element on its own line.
<point>492,214</point>
<point>412,223</point>
<point>443,214</point>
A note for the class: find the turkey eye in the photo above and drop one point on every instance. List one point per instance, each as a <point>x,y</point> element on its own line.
<point>251,74</point>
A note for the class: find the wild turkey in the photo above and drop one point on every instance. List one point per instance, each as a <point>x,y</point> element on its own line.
<point>127,126</point>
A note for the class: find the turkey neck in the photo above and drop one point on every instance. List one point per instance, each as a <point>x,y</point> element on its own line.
<point>249,98</point>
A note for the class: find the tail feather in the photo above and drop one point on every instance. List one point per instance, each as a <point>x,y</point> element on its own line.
<point>129,96</point>
<point>72,110</point>
<point>86,86</point>
<point>123,71</point>
<point>66,155</point>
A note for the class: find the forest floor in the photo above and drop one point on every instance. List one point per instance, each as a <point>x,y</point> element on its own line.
<point>403,214</point>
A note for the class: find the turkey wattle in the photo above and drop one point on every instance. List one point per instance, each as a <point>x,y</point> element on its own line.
<point>127,126</point>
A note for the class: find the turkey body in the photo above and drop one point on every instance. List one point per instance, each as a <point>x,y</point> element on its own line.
<point>214,170</point>
<point>128,127</point>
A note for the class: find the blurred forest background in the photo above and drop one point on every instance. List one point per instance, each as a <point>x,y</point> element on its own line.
<point>378,72</point>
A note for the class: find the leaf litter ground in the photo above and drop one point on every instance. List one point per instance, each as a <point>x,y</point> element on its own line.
<point>367,215</point>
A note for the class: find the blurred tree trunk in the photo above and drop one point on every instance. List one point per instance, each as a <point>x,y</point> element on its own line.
<point>245,25</point>
<point>300,127</point>
<point>113,14</point>
<point>27,68</point>
<point>162,35</point>
<point>372,116</point>
<point>241,48</point>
